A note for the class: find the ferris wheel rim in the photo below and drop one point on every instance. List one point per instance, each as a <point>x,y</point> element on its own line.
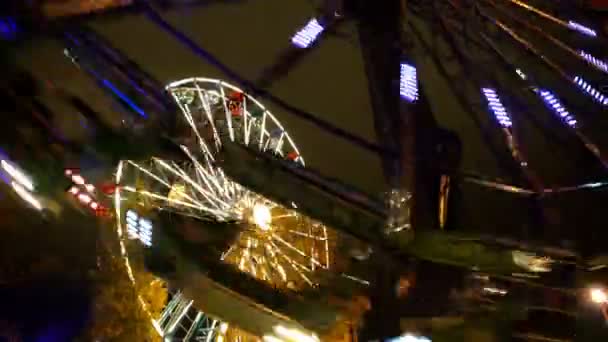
<point>180,83</point>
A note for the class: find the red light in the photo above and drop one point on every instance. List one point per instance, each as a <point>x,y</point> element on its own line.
<point>108,188</point>
<point>292,155</point>
<point>236,96</point>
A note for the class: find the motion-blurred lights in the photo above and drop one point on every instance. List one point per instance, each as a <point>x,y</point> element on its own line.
<point>598,296</point>
<point>408,83</point>
<point>582,28</point>
<point>557,107</point>
<point>18,175</point>
<point>26,195</point>
<point>598,63</point>
<point>77,179</point>
<point>497,107</point>
<point>305,37</point>
<point>8,28</point>
<point>532,262</point>
<point>294,334</point>
<point>84,198</point>
<point>494,290</point>
<point>596,94</point>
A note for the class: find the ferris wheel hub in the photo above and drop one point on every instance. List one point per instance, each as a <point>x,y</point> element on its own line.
<point>261,216</point>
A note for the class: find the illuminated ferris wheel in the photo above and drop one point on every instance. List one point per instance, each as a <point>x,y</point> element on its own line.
<point>274,243</point>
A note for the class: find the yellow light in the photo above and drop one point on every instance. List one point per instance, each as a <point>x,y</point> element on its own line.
<point>26,195</point>
<point>261,216</point>
<point>598,296</point>
<point>294,334</point>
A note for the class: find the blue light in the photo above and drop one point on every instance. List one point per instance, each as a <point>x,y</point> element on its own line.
<point>305,37</point>
<point>582,28</point>
<point>596,94</point>
<point>408,84</point>
<point>598,63</point>
<point>497,108</point>
<point>557,107</point>
<point>8,28</point>
<point>124,97</point>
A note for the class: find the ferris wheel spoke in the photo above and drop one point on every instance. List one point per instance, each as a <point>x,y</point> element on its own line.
<point>204,174</point>
<point>188,116</point>
<point>306,235</point>
<point>229,185</point>
<point>207,109</point>
<point>172,201</point>
<point>210,197</point>
<point>246,128</point>
<point>227,111</point>
<point>163,182</point>
<point>214,200</point>
<point>278,148</point>
<point>294,265</point>
<point>295,249</point>
<point>262,129</point>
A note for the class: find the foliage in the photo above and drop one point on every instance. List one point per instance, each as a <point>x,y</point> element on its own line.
<point>117,313</point>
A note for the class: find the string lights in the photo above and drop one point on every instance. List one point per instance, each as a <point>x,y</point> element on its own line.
<point>408,83</point>
<point>305,37</point>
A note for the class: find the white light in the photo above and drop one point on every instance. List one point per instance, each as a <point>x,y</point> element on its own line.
<point>94,205</point>
<point>494,290</point>
<point>78,179</point>
<point>409,338</point>
<point>89,187</point>
<point>26,195</point>
<point>131,214</point>
<point>18,175</point>
<point>598,296</point>
<point>261,216</point>
<point>73,190</point>
<point>84,198</point>
<point>223,328</point>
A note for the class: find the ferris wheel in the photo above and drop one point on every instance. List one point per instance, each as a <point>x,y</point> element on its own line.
<point>274,244</point>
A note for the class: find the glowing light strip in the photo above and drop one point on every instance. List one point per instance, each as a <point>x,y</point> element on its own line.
<point>497,108</point>
<point>596,94</point>
<point>598,63</point>
<point>557,107</point>
<point>26,195</point>
<point>582,28</point>
<point>124,97</point>
<point>18,175</point>
<point>305,37</point>
<point>408,84</point>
